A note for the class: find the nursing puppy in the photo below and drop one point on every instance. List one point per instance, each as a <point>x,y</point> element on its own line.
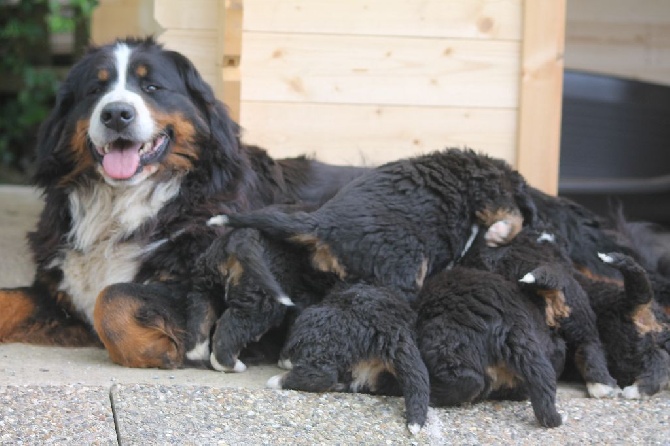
<point>255,277</point>
<point>348,341</point>
<point>400,222</point>
<point>482,337</point>
<point>567,308</point>
<point>628,327</point>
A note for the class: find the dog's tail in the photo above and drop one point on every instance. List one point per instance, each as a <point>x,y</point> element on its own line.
<point>276,224</point>
<point>549,281</point>
<point>636,281</point>
<point>412,376</point>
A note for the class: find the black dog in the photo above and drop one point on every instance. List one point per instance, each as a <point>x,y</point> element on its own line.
<point>628,327</point>
<point>258,280</point>
<point>481,337</point>
<point>567,308</point>
<point>348,341</point>
<point>402,221</point>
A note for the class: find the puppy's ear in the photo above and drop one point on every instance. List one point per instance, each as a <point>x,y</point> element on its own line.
<point>51,139</point>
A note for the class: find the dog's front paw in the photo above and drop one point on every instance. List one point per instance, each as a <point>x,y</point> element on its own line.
<point>239,366</point>
<point>599,390</point>
<point>276,382</point>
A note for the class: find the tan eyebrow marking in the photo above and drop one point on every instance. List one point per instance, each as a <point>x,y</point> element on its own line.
<point>141,70</point>
<point>103,75</point>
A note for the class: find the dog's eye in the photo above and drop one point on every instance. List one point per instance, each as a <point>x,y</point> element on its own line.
<point>94,90</point>
<point>150,88</point>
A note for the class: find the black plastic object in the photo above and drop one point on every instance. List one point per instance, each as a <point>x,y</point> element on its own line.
<point>615,145</point>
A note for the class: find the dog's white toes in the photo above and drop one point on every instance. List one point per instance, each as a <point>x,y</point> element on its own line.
<point>200,352</point>
<point>275,382</point>
<point>414,428</point>
<point>564,417</point>
<point>285,363</point>
<point>239,366</point>
<point>218,220</point>
<point>599,390</point>
<point>497,233</point>
<point>528,278</point>
<point>605,258</point>
<point>631,392</point>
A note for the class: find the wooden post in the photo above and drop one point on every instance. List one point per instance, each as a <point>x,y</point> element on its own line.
<point>230,49</point>
<point>541,92</point>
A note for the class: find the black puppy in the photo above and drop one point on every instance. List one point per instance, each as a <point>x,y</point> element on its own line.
<point>348,341</point>
<point>628,327</point>
<point>400,222</point>
<point>481,337</point>
<point>256,275</point>
<point>567,308</point>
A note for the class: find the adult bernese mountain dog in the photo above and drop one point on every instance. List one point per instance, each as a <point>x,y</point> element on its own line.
<point>136,155</point>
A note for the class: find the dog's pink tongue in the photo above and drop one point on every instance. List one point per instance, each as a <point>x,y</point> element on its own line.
<point>122,163</point>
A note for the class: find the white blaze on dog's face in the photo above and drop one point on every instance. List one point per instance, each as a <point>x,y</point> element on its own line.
<point>133,115</point>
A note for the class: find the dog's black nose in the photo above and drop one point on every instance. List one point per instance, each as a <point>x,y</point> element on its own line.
<point>117,115</point>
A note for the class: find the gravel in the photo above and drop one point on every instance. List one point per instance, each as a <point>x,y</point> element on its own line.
<point>61,415</point>
<point>186,415</point>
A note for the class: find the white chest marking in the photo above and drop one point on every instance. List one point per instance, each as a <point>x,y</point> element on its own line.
<point>102,217</point>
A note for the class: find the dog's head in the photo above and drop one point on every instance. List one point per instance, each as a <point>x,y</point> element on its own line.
<point>130,111</point>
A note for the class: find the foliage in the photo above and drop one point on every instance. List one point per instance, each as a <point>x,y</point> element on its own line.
<point>26,65</point>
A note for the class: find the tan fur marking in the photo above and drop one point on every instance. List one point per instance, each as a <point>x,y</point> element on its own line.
<point>232,269</point>
<point>489,216</point>
<point>645,320</point>
<point>598,278</point>
<point>556,308</point>
<point>366,373</point>
<point>141,70</point>
<point>103,75</point>
<point>130,343</point>
<point>183,151</point>
<point>16,309</point>
<point>82,157</point>
<point>502,377</point>
<point>323,258</point>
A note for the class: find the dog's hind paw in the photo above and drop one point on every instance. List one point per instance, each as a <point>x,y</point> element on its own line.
<point>632,392</point>
<point>285,363</point>
<point>200,352</point>
<point>276,382</point>
<point>218,220</point>
<point>599,390</point>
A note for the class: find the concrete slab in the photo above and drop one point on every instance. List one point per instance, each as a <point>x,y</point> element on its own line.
<point>72,415</point>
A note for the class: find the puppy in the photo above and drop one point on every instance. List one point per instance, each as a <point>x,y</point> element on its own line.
<point>255,276</point>
<point>349,340</point>
<point>400,222</point>
<point>567,308</point>
<point>480,335</point>
<point>628,327</point>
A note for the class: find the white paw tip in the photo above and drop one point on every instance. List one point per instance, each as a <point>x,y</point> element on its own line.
<point>599,390</point>
<point>631,392</point>
<point>218,220</point>
<point>275,382</point>
<point>564,417</point>
<point>546,237</point>
<point>239,366</point>
<point>285,364</point>
<point>285,300</point>
<point>414,428</point>
<point>528,278</point>
<point>200,352</point>
<point>605,258</point>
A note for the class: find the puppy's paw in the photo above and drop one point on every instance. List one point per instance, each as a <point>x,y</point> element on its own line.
<point>285,363</point>
<point>599,390</point>
<point>276,382</point>
<point>498,233</point>
<point>200,352</point>
<point>414,428</point>
<point>632,392</point>
<point>239,366</point>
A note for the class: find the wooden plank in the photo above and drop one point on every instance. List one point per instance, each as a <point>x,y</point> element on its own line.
<point>541,93</point>
<point>187,14</point>
<point>200,46</point>
<point>230,47</point>
<point>112,19</point>
<point>370,135</point>
<point>473,19</point>
<point>391,70</point>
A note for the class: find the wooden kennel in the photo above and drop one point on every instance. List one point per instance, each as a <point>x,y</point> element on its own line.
<point>367,81</point>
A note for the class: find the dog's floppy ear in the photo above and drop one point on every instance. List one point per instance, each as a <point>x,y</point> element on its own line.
<point>224,151</point>
<point>51,137</point>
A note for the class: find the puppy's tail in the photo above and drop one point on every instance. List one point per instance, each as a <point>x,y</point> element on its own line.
<point>412,376</point>
<point>637,285</point>
<point>276,224</point>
